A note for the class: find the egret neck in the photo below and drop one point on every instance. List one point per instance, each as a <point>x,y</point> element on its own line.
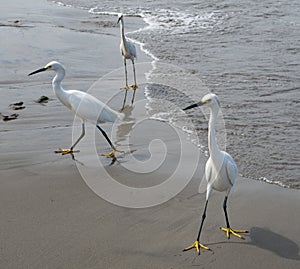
<point>60,93</point>
<point>122,30</point>
<point>213,148</point>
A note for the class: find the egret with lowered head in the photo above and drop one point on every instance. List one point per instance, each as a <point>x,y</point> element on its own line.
<point>220,170</point>
<point>128,52</point>
<point>84,105</point>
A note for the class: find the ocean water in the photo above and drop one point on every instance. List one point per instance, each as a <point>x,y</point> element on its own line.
<point>247,52</point>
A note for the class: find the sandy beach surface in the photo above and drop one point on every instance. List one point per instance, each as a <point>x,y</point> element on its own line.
<point>50,215</point>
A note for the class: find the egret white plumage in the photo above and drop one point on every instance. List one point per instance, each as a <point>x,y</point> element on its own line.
<point>84,105</point>
<point>128,52</point>
<point>220,170</point>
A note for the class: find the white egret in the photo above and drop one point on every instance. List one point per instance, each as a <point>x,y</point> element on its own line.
<point>220,170</point>
<point>84,105</point>
<point>128,52</point>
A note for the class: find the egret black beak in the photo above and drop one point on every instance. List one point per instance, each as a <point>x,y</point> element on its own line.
<point>119,20</point>
<point>38,71</point>
<point>194,105</point>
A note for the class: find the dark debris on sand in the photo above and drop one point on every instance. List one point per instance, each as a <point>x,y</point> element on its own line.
<point>42,100</point>
<point>17,106</point>
<point>9,117</point>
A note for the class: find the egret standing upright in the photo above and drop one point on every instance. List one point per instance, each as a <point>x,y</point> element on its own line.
<point>128,52</point>
<point>84,105</point>
<point>220,169</point>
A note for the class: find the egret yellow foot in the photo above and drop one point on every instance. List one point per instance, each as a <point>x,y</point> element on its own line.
<point>65,151</point>
<point>134,86</point>
<point>126,88</point>
<point>229,231</point>
<point>112,154</point>
<point>197,246</point>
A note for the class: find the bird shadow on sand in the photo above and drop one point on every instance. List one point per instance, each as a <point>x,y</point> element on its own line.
<point>274,242</point>
<point>266,239</point>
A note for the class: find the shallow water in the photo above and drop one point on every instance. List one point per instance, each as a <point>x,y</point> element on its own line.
<point>246,52</point>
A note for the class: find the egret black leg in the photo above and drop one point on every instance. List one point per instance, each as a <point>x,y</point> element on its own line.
<point>106,137</point>
<point>202,220</point>
<point>126,78</point>
<point>80,137</point>
<point>70,150</point>
<point>225,211</point>
<point>228,229</point>
<point>134,85</point>
<point>126,86</point>
<point>197,244</point>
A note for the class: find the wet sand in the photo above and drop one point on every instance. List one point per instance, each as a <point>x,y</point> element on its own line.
<point>50,218</point>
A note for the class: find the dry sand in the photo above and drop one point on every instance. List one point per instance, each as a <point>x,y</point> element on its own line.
<point>50,218</point>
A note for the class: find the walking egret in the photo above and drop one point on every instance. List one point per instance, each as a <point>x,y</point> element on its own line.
<point>128,52</point>
<point>220,170</point>
<point>84,105</point>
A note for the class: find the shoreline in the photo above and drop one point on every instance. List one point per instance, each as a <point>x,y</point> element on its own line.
<point>50,218</point>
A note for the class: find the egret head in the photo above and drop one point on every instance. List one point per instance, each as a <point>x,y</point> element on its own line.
<point>210,99</point>
<point>55,66</point>
<point>120,17</point>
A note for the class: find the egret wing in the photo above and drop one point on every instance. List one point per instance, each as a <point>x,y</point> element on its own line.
<point>108,114</point>
<point>231,171</point>
<point>90,108</point>
<point>207,178</point>
<point>131,48</point>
